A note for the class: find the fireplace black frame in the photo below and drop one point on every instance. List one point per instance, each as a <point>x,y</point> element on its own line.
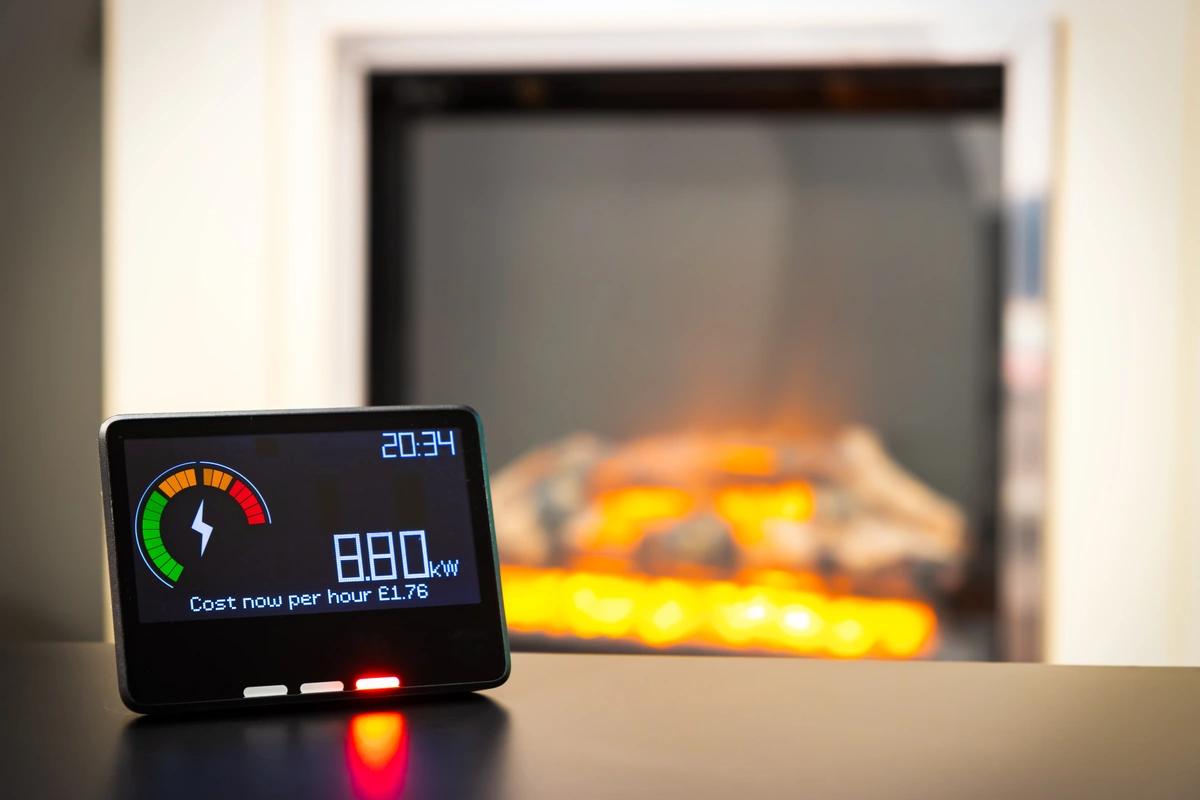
<point>397,100</point>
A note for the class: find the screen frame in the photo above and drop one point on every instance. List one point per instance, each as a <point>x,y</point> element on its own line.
<point>176,666</point>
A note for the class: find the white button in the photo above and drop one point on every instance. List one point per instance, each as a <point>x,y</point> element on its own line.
<point>264,691</point>
<point>322,686</point>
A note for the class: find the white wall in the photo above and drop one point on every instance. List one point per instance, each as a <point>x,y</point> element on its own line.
<point>1189,475</point>
<point>1121,424</point>
<point>188,282</point>
<point>234,264</point>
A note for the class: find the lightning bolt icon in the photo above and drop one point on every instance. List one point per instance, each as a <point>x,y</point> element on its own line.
<point>201,527</point>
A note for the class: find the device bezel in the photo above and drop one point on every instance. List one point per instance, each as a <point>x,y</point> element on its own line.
<point>176,666</point>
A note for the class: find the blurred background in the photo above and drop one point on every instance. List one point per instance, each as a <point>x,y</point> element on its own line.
<point>837,330</point>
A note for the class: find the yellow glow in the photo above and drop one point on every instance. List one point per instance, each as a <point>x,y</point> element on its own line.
<point>904,626</point>
<point>798,619</point>
<point>663,612</point>
<point>669,614</point>
<point>600,605</point>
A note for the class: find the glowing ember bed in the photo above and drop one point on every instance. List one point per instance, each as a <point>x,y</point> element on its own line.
<point>763,543</point>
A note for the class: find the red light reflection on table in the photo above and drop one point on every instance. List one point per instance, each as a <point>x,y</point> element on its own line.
<point>377,754</point>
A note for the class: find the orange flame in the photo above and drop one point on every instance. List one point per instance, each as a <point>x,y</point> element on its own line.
<point>626,513</point>
<point>748,508</point>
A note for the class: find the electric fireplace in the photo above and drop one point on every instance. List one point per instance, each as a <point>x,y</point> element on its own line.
<point>735,336</point>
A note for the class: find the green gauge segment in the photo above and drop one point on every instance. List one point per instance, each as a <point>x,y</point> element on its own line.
<point>152,538</point>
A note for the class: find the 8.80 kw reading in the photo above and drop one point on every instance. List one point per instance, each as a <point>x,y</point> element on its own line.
<point>377,561</point>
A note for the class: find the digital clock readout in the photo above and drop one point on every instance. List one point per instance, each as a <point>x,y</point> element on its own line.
<point>418,444</point>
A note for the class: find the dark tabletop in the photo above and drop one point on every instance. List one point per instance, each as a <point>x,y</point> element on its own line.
<point>576,726</point>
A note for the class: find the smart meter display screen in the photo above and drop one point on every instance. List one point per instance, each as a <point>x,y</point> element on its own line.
<point>299,523</point>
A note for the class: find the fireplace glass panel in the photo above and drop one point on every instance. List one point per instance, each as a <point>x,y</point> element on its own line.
<point>738,370</point>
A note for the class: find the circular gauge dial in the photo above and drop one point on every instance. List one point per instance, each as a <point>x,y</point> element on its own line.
<point>187,509</point>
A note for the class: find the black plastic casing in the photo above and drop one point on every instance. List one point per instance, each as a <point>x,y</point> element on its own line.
<point>205,664</point>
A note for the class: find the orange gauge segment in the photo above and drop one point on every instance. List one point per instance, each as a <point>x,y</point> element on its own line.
<point>177,482</point>
<point>217,478</point>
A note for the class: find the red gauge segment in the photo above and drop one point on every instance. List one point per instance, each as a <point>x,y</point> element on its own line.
<point>248,502</point>
<point>252,507</point>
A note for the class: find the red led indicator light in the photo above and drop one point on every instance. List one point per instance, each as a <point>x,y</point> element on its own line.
<point>377,682</point>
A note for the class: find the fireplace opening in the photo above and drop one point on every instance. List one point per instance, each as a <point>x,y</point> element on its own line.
<point>735,336</point>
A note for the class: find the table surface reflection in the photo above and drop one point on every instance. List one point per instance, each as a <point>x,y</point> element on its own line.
<point>582,726</point>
